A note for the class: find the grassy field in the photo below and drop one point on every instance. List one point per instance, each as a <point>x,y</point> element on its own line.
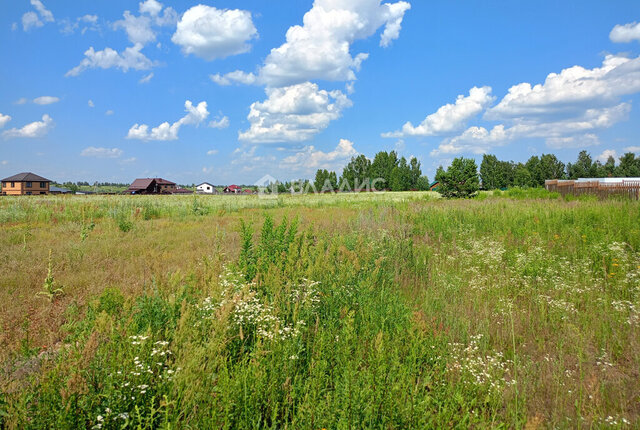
<point>395,310</point>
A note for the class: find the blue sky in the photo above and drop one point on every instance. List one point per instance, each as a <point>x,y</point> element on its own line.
<point>228,91</point>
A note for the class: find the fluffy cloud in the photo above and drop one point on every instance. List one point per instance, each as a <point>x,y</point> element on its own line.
<point>165,131</point>
<point>212,152</point>
<point>220,123</point>
<point>450,117</point>
<point>625,33</point>
<point>606,154</point>
<point>320,48</point>
<point>572,89</point>
<point>566,110</point>
<point>92,151</point>
<point>130,58</point>
<point>212,33</point>
<point>46,100</point>
<point>237,76</point>
<point>31,130</point>
<point>32,20</point>
<point>90,103</point>
<point>4,119</point>
<point>310,158</point>
<point>293,114</point>
<point>139,28</point>
<point>632,149</point>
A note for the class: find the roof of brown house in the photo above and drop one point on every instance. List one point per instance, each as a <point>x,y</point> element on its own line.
<point>25,176</point>
<point>164,181</point>
<point>141,183</point>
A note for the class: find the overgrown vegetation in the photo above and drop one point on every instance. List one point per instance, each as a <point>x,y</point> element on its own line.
<point>376,313</point>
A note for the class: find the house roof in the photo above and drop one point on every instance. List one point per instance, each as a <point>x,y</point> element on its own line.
<point>141,183</point>
<point>181,191</point>
<point>59,190</point>
<point>204,183</point>
<point>26,176</point>
<point>234,187</point>
<point>164,181</point>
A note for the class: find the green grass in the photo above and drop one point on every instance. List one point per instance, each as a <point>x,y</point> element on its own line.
<point>396,310</point>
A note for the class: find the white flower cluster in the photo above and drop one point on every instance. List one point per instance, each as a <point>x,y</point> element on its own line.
<point>561,306</point>
<point>483,370</point>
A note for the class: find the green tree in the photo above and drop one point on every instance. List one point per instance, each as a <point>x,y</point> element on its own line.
<point>629,166</point>
<point>609,168</point>
<point>401,176</point>
<point>356,174</point>
<point>382,167</point>
<point>584,167</point>
<point>460,180</point>
<point>521,176</point>
<point>423,183</point>
<point>416,172</point>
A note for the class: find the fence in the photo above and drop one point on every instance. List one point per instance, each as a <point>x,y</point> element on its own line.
<point>628,189</point>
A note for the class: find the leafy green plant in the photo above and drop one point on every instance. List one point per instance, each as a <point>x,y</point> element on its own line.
<point>49,289</point>
<point>86,229</point>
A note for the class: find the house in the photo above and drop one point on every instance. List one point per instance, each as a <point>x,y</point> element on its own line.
<point>26,183</point>
<point>434,186</point>
<point>232,189</point>
<point>151,186</point>
<point>206,188</point>
<point>58,190</point>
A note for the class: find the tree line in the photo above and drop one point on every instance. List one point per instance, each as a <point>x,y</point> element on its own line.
<point>462,179</point>
<point>496,174</point>
<point>387,171</point>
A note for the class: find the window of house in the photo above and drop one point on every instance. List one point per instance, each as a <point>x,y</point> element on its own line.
<point>28,193</point>
<point>4,184</point>
<point>28,184</point>
<point>43,185</point>
<point>13,184</point>
<point>43,192</point>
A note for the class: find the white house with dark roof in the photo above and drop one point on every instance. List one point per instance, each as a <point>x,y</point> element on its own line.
<point>206,188</point>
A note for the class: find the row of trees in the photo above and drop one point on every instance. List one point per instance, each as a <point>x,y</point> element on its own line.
<point>502,174</point>
<point>386,171</point>
<point>461,179</point>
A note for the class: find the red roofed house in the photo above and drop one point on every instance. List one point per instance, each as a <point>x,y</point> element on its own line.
<point>232,189</point>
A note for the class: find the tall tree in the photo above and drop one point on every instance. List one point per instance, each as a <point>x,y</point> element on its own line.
<point>629,166</point>
<point>584,167</point>
<point>356,173</point>
<point>460,179</point>
<point>416,172</point>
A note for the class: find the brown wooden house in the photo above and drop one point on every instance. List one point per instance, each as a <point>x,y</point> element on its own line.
<point>26,183</point>
<point>151,186</point>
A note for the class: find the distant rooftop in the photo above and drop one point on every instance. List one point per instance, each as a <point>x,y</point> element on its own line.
<point>25,176</point>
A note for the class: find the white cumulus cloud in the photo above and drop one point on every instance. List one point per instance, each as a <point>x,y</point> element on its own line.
<point>632,148</point>
<point>46,100</point>
<point>237,76</point>
<point>211,33</point>
<point>310,159</point>
<point>31,130</point>
<point>4,119</point>
<point>294,113</point>
<point>604,156</point>
<point>130,58</point>
<point>220,123</point>
<point>450,117</point>
<point>32,20</point>
<point>92,151</point>
<point>625,33</point>
<point>320,48</point>
<point>165,131</point>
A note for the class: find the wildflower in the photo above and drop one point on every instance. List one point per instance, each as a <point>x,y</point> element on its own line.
<point>100,418</point>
